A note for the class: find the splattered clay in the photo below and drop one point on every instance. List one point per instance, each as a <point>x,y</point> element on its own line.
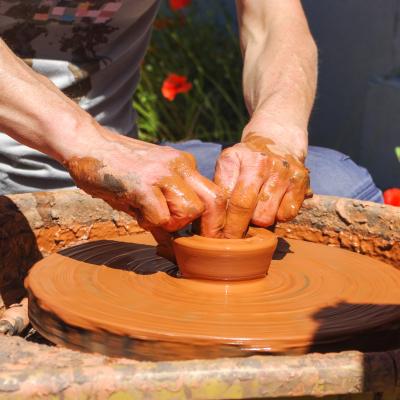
<point>315,298</point>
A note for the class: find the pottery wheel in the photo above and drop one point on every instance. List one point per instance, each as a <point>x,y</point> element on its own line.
<point>120,299</point>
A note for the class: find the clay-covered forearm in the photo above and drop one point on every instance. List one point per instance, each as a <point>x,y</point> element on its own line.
<point>280,69</point>
<point>33,111</point>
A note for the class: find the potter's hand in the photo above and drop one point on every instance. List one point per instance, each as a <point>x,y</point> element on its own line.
<point>264,182</point>
<point>159,185</point>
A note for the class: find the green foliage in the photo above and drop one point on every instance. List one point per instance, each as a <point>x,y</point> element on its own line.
<point>204,48</point>
<point>397,151</point>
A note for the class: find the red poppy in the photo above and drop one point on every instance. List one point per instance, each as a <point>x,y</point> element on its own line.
<point>392,197</point>
<point>176,5</point>
<point>173,85</point>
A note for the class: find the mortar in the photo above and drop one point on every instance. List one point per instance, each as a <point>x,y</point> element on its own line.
<point>38,224</point>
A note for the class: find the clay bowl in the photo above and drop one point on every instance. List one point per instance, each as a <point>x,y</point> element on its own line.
<point>226,259</point>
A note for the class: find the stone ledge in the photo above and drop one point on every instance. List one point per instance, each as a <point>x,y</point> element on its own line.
<point>32,371</point>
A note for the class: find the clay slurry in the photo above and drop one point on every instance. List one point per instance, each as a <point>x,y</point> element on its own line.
<point>314,297</point>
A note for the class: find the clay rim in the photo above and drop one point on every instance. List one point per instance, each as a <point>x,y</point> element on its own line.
<point>258,239</point>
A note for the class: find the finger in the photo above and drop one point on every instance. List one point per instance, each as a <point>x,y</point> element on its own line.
<point>183,203</point>
<point>214,200</point>
<point>294,197</point>
<point>164,243</point>
<point>190,159</point>
<point>162,237</point>
<point>309,193</point>
<point>152,206</point>
<point>271,194</point>
<point>244,197</point>
<point>227,171</point>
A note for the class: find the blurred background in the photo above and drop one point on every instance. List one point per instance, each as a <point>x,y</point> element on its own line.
<point>191,79</point>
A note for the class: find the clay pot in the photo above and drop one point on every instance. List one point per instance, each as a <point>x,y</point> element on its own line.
<point>226,259</point>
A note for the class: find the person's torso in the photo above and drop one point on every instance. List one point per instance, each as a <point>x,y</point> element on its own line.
<point>90,49</point>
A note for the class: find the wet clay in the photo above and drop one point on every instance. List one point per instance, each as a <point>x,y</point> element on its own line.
<point>110,297</point>
<point>225,259</point>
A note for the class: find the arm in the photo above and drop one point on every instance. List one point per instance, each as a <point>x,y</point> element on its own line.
<point>34,112</point>
<point>280,70</point>
<point>158,185</point>
<point>264,175</point>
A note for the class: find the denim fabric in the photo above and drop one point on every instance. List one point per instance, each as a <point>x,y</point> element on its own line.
<point>332,173</point>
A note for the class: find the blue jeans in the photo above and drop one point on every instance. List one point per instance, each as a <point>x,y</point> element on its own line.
<point>332,173</point>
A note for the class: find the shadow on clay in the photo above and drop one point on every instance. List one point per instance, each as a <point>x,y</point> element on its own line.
<point>139,258</point>
<point>375,337</point>
<point>282,249</point>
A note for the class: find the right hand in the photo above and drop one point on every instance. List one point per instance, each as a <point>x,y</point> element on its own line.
<point>159,185</point>
<point>264,182</point>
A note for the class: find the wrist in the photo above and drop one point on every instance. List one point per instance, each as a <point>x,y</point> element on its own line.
<point>289,137</point>
<point>74,134</point>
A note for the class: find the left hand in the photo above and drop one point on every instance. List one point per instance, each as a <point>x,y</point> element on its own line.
<point>263,181</point>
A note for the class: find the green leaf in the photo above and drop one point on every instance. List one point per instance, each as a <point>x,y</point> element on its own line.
<point>397,151</point>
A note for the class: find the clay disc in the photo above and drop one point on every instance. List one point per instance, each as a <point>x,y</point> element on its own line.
<point>120,299</point>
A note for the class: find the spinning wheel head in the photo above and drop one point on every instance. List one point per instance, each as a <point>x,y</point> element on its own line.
<point>119,298</point>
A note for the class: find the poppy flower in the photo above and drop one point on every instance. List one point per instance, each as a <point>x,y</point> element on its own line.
<point>176,5</point>
<point>392,197</point>
<point>173,85</point>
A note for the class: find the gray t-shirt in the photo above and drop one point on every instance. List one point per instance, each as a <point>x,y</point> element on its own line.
<point>92,51</point>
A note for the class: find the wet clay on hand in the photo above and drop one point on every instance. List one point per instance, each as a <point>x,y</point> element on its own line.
<point>108,296</point>
<point>263,183</point>
<point>225,259</point>
<point>158,185</point>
